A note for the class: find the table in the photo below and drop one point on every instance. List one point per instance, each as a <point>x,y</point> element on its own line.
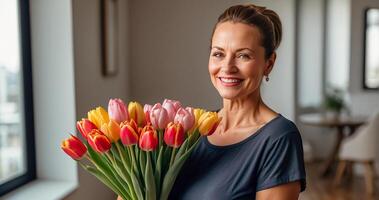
<point>340,123</point>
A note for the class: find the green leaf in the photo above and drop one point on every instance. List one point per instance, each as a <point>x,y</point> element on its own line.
<point>115,152</point>
<point>142,163</point>
<point>158,171</point>
<point>137,186</point>
<point>149,180</point>
<point>166,158</point>
<point>182,149</point>
<point>100,162</point>
<point>95,172</point>
<point>173,172</point>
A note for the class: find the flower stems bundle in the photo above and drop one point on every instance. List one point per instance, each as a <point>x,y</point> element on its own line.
<point>138,151</point>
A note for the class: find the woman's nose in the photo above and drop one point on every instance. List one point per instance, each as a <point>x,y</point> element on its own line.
<point>229,65</point>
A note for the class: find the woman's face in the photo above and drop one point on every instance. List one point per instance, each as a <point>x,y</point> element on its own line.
<point>237,60</point>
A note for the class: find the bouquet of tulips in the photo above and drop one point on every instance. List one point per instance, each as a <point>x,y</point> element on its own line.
<point>138,151</point>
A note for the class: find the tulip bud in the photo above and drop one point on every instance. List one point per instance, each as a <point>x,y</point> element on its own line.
<point>149,139</point>
<point>185,117</point>
<point>74,147</point>
<point>146,109</point>
<point>85,126</point>
<point>136,113</point>
<point>208,123</point>
<point>111,130</point>
<point>129,133</point>
<point>174,135</point>
<point>197,113</point>
<point>98,141</point>
<point>118,111</point>
<point>98,116</point>
<point>159,116</point>
<point>171,106</point>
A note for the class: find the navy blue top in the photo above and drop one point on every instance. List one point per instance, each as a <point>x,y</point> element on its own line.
<point>271,156</point>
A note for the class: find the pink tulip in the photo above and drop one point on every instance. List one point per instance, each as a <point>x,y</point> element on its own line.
<point>146,109</point>
<point>159,116</point>
<point>172,107</point>
<point>118,111</point>
<point>185,117</point>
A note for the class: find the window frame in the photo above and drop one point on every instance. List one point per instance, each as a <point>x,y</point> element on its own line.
<point>27,83</point>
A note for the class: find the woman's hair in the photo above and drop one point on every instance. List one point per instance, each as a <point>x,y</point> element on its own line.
<point>266,20</point>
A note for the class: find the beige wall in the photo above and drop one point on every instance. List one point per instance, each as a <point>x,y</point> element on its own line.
<point>170,48</point>
<point>92,88</point>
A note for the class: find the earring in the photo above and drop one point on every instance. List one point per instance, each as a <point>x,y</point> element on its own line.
<point>267,78</point>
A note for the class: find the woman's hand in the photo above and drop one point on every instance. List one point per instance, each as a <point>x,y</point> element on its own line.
<point>119,198</point>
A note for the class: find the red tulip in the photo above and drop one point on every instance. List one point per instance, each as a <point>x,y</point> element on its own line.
<point>85,126</point>
<point>74,147</point>
<point>118,111</point>
<point>149,138</point>
<point>98,141</point>
<point>129,133</point>
<point>174,135</point>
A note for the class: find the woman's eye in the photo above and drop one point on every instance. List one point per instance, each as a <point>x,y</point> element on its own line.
<point>217,54</point>
<point>243,56</point>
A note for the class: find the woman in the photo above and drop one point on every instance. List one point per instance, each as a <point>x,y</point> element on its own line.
<point>255,153</point>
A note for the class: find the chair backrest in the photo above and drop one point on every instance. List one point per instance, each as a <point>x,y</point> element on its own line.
<point>372,125</point>
<point>368,134</point>
<point>364,143</point>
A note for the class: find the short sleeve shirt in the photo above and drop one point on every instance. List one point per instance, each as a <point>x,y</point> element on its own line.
<point>271,156</point>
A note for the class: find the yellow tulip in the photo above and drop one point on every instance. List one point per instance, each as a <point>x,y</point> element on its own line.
<point>111,130</point>
<point>197,113</point>
<point>98,116</point>
<point>208,123</point>
<point>136,113</point>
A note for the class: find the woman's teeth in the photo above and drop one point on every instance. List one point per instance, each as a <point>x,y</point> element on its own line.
<point>230,80</point>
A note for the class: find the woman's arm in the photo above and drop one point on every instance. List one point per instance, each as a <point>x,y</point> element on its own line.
<point>288,191</point>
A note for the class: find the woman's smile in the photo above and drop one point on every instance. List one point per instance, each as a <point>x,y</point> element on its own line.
<point>230,81</point>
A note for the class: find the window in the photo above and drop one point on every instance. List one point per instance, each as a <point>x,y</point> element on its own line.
<point>371,60</point>
<point>17,152</point>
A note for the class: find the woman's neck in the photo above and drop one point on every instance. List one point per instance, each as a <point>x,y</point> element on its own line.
<point>244,112</point>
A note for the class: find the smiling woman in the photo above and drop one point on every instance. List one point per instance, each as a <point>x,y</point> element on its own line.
<point>255,152</point>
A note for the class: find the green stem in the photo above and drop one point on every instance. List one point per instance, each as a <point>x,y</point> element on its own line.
<point>172,156</point>
<point>129,181</point>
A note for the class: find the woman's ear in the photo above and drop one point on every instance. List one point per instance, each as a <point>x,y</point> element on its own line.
<point>269,64</point>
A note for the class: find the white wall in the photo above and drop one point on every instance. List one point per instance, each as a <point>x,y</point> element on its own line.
<point>338,43</point>
<point>310,52</point>
<point>170,49</point>
<point>92,88</point>
<point>363,102</point>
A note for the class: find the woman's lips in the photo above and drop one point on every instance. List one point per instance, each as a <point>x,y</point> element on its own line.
<point>230,82</point>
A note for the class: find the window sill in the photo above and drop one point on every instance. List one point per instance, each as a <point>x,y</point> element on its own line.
<point>42,190</point>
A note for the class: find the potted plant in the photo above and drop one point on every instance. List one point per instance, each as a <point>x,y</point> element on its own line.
<point>334,102</point>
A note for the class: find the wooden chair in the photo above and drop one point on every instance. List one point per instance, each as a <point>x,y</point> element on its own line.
<point>360,148</point>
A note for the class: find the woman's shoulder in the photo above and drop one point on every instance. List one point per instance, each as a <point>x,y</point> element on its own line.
<point>280,127</point>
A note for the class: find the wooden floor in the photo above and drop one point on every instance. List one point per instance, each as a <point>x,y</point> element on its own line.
<point>322,188</point>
